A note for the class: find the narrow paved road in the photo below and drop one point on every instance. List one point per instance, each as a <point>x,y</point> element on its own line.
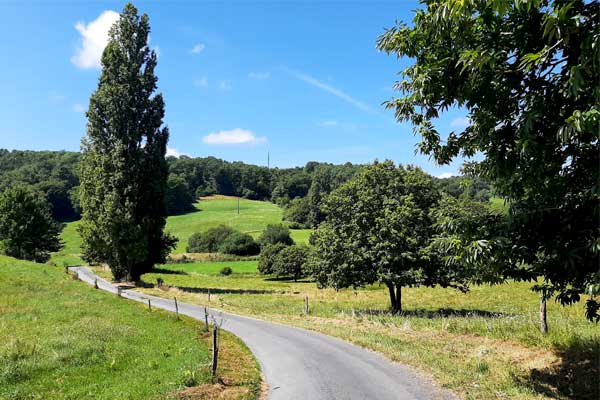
<point>300,364</point>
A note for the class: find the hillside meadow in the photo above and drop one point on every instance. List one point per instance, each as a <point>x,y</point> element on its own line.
<point>64,340</point>
<point>209,212</point>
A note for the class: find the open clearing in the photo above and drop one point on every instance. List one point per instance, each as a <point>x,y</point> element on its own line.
<point>64,340</point>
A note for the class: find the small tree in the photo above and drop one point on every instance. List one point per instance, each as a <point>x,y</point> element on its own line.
<point>276,234</point>
<point>290,261</point>
<point>268,254</point>
<point>378,228</point>
<point>27,230</point>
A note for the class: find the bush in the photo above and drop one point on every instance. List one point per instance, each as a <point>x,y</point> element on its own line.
<point>209,241</point>
<point>267,257</point>
<point>240,244</point>
<point>225,271</point>
<point>274,234</point>
<point>291,262</point>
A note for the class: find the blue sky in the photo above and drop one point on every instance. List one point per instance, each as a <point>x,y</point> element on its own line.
<point>300,80</point>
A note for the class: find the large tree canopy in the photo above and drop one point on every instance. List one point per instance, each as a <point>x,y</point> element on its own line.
<point>527,74</point>
<point>123,169</point>
<point>378,228</point>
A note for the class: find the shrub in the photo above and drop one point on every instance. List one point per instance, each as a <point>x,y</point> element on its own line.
<point>276,234</point>
<point>225,271</point>
<point>291,262</point>
<point>240,244</point>
<point>267,257</point>
<point>209,241</point>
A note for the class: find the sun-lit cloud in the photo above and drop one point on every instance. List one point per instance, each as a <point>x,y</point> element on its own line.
<point>233,136</point>
<point>461,122</point>
<point>201,82</point>
<point>56,97</point>
<point>225,85</point>
<point>330,89</point>
<point>78,108</point>
<point>198,48</point>
<point>171,152</point>
<point>259,75</point>
<point>444,175</point>
<point>328,123</point>
<point>94,37</point>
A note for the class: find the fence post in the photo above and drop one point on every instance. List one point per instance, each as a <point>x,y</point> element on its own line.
<point>149,306</point>
<point>306,308</point>
<point>176,308</point>
<point>209,295</point>
<point>205,319</point>
<point>119,291</point>
<point>96,283</point>
<point>215,353</point>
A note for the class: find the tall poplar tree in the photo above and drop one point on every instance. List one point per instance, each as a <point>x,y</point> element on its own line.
<point>123,169</point>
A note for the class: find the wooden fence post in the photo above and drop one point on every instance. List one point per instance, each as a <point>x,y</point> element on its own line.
<point>149,306</point>
<point>215,353</point>
<point>306,308</point>
<point>209,295</point>
<point>176,308</point>
<point>96,283</point>
<point>205,319</point>
<point>119,291</point>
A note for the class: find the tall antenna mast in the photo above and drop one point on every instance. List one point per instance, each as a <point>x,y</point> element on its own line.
<point>268,160</point>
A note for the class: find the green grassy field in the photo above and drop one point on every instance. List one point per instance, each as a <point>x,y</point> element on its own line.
<point>254,216</point>
<point>62,339</point>
<point>483,344</point>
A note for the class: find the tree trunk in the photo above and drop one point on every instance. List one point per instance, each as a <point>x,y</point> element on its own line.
<point>543,320</point>
<point>393,299</point>
<point>399,298</point>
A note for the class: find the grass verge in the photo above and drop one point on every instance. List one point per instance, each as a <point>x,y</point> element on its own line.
<point>483,345</point>
<point>65,340</point>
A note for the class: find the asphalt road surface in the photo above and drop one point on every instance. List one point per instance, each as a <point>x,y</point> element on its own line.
<point>300,364</point>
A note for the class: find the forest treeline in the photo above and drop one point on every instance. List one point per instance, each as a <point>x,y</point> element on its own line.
<point>300,191</point>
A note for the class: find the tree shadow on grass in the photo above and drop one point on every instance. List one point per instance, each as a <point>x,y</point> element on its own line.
<point>439,313</point>
<point>226,291</point>
<point>575,376</point>
<point>167,271</point>
<point>288,279</point>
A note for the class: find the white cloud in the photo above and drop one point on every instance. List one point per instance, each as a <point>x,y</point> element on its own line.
<point>328,88</point>
<point>461,122</point>
<point>56,97</point>
<point>225,85</point>
<point>444,175</point>
<point>201,82</point>
<point>199,48</point>
<point>94,37</point>
<point>171,152</point>
<point>259,75</point>
<point>234,136</point>
<point>78,108</point>
<point>328,123</point>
